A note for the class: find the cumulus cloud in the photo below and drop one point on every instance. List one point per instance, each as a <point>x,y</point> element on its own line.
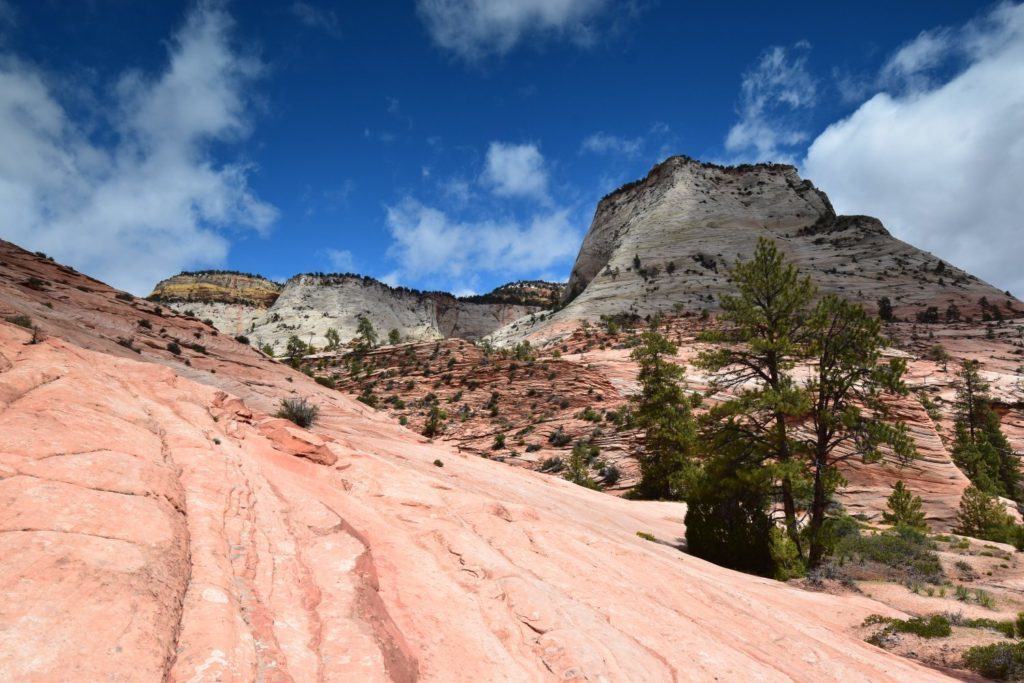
<point>772,91</point>
<point>152,201</point>
<point>515,171</point>
<point>475,29</point>
<point>429,244</point>
<point>941,163</point>
<point>604,143</point>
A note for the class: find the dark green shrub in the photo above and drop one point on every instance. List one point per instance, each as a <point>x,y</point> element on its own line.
<point>299,410</point>
<point>727,520</point>
<point>559,438</point>
<point>437,463</point>
<point>1001,661</point>
<point>174,348</point>
<point>20,321</point>
<point>326,382</point>
<point>532,448</point>
<point>242,339</point>
<point>499,442</point>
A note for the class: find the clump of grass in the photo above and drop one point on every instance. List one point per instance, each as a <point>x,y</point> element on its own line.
<point>903,553</point>
<point>935,626</point>
<point>299,410</point>
<point>646,536</point>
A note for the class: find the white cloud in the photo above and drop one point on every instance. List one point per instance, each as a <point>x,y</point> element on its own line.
<point>427,243</point>
<point>941,164</point>
<point>474,29</point>
<point>153,201</point>
<point>908,65</point>
<point>317,17</point>
<point>341,260</point>
<point>515,171</point>
<point>603,143</point>
<point>778,86</point>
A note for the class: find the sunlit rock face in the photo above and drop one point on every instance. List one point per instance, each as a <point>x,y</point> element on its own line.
<point>665,244</point>
<point>308,305</point>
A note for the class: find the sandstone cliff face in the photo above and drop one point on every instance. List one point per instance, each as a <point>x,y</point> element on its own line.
<point>666,242</point>
<point>158,524</point>
<point>308,305</point>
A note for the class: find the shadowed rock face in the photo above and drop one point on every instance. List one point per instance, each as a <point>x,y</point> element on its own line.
<point>158,523</point>
<point>665,243</point>
<point>308,305</point>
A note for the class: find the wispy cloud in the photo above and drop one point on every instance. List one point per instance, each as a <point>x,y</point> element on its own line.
<point>154,200</point>
<point>341,260</point>
<point>772,91</point>
<point>475,29</point>
<point>604,143</point>
<point>317,17</point>
<point>429,245</point>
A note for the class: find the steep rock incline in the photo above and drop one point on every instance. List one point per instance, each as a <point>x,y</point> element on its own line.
<point>232,301</point>
<point>158,527</point>
<point>308,305</point>
<point>665,243</point>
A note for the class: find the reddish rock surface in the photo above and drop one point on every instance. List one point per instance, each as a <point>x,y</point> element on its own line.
<point>156,522</point>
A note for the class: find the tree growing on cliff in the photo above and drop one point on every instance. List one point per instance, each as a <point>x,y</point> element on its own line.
<point>905,509</point>
<point>664,413</point>
<point>366,335</point>
<point>885,310</point>
<point>295,350</point>
<point>394,337</point>
<point>980,449</point>
<point>983,516</point>
<point>333,339</point>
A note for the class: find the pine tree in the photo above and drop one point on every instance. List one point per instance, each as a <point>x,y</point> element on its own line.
<point>905,509</point>
<point>394,337</point>
<point>365,333</point>
<point>434,425</point>
<point>983,516</point>
<point>980,449</point>
<point>885,309</point>
<point>664,413</point>
<point>576,471</point>
<point>333,339</point>
<point>848,378</point>
<point>766,332</point>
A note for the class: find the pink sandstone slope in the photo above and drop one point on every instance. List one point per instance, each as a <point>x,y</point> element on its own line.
<point>156,527</point>
<point>156,523</point>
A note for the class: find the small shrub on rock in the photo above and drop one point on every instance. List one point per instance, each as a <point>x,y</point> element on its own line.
<point>299,410</point>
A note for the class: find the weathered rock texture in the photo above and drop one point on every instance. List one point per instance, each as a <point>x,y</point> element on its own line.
<point>308,305</point>
<point>665,243</point>
<point>156,523</point>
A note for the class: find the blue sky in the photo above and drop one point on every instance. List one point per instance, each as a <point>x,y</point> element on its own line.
<point>459,144</point>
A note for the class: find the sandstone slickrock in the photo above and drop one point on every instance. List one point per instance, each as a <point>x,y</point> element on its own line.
<point>308,305</point>
<point>157,523</point>
<point>664,243</point>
